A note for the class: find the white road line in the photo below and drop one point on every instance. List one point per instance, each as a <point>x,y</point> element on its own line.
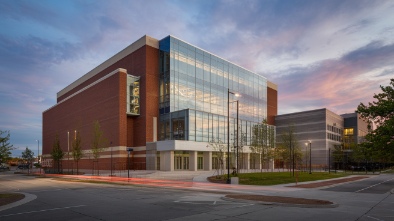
<point>373,185</point>
<point>374,218</point>
<point>45,210</point>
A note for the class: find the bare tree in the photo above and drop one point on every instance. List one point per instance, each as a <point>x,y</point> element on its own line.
<point>57,152</point>
<point>98,143</point>
<point>263,142</point>
<point>77,153</point>
<point>291,151</point>
<point>219,148</point>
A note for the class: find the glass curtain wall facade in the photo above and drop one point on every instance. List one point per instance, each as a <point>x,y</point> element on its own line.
<point>193,95</point>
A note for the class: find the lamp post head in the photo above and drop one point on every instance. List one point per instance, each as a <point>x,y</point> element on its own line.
<point>234,93</point>
<point>309,141</point>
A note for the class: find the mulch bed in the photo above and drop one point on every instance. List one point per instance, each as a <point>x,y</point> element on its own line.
<point>328,182</point>
<point>7,198</point>
<point>214,179</point>
<point>280,199</point>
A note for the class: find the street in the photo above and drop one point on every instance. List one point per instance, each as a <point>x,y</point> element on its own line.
<point>51,199</point>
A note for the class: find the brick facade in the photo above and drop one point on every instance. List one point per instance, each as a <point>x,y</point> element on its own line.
<point>106,102</point>
<point>272,105</point>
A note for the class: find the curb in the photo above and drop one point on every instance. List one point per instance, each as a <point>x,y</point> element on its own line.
<point>28,197</point>
<point>334,205</point>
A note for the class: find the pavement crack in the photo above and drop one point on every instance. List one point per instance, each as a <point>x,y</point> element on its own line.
<point>365,214</point>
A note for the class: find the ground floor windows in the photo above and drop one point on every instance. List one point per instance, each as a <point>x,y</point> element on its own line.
<point>200,163</point>
<point>181,160</point>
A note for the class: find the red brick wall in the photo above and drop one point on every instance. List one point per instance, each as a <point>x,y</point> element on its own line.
<point>102,102</point>
<point>151,105</point>
<point>272,105</point>
<point>106,102</point>
<point>144,63</point>
<point>118,163</point>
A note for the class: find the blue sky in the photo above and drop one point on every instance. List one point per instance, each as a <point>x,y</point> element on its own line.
<point>324,53</point>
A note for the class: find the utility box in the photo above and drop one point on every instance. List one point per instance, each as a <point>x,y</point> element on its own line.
<point>234,181</point>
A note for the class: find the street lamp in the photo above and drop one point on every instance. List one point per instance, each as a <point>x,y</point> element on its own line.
<point>306,159</point>
<point>237,136</point>
<point>38,151</point>
<point>128,161</point>
<point>75,137</point>
<point>228,133</point>
<point>310,157</point>
<point>68,151</point>
<point>111,157</point>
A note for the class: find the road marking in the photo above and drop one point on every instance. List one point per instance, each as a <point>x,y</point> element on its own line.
<point>373,185</point>
<point>374,218</point>
<point>214,203</point>
<point>45,210</point>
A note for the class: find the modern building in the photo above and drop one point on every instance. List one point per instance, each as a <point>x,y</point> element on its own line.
<point>355,129</point>
<point>322,128</point>
<point>166,99</point>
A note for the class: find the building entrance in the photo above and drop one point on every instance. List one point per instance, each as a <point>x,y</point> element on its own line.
<point>181,160</point>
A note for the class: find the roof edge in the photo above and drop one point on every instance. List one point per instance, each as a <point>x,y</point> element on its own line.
<point>144,40</point>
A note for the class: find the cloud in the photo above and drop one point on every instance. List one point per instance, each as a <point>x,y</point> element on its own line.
<point>34,51</point>
<point>338,84</point>
<point>387,72</point>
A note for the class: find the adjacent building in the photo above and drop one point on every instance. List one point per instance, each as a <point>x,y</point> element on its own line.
<point>164,99</point>
<point>355,129</point>
<point>321,128</point>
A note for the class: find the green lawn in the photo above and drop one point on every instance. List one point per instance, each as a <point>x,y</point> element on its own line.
<point>266,179</point>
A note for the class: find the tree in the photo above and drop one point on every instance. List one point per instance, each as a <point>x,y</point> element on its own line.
<point>28,156</point>
<point>381,113</point>
<point>338,156</point>
<point>263,142</point>
<point>77,153</point>
<point>5,146</point>
<point>290,149</point>
<point>98,142</point>
<point>238,148</point>
<point>219,148</point>
<point>362,154</point>
<point>57,152</point>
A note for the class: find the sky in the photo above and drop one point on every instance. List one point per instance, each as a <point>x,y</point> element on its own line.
<point>330,54</point>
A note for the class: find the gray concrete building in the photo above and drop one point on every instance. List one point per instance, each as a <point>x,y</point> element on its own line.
<point>322,127</point>
<point>355,129</point>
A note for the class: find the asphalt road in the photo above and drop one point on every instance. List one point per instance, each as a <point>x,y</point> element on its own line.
<point>59,200</point>
<point>377,184</point>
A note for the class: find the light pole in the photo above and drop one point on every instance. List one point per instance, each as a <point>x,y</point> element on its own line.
<point>68,151</point>
<point>329,160</point>
<point>237,137</point>
<point>111,157</point>
<point>310,157</point>
<point>38,153</point>
<point>306,159</point>
<point>128,161</point>
<point>75,137</point>
<point>228,133</point>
